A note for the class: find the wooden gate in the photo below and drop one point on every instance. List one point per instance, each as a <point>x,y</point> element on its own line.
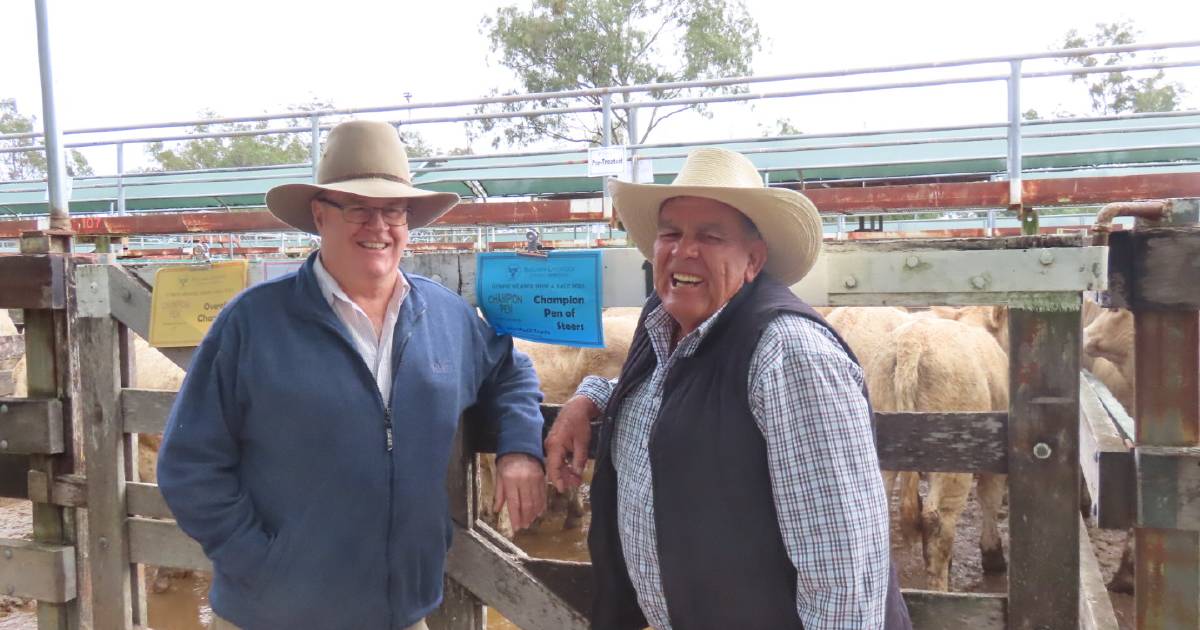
<point>96,524</point>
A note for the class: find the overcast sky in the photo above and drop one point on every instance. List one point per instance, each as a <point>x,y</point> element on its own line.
<point>137,61</point>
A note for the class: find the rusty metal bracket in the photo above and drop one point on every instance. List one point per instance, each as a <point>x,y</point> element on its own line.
<point>1168,487</point>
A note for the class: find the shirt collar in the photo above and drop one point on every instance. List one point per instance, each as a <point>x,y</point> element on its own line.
<point>661,327</point>
<point>332,291</point>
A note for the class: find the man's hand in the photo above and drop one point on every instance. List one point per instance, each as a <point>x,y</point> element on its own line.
<point>521,484</point>
<point>569,437</point>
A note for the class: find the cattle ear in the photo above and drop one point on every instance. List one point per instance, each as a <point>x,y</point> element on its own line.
<point>945,312</point>
<point>999,317</point>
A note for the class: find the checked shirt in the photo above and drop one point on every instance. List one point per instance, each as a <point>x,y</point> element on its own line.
<point>806,397</point>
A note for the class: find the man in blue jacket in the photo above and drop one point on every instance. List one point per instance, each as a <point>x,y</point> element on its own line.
<point>308,448</point>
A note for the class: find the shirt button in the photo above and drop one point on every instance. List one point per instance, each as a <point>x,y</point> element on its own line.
<point>649,509</point>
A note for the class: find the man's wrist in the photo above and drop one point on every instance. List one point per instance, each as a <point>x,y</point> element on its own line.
<point>505,458</point>
<point>586,404</point>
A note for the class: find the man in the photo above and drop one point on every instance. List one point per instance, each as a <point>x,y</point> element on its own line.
<point>308,448</point>
<point>736,482</point>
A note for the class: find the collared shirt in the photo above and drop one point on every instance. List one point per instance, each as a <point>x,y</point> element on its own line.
<point>806,397</point>
<point>375,349</point>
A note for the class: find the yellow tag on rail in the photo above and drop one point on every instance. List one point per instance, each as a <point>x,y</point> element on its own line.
<point>187,299</point>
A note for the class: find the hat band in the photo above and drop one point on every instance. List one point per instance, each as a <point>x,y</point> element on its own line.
<point>387,176</point>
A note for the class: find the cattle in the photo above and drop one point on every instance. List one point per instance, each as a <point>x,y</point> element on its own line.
<point>943,359</point>
<point>560,369</point>
<point>993,319</point>
<point>935,364</point>
<point>867,330</point>
<point>1109,341</point>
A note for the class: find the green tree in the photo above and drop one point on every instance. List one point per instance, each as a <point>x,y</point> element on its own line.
<point>781,127</point>
<point>29,164</point>
<point>230,151</point>
<point>1118,92</point>
<point>416,146</point>
<point>257,150</point>
<point>559,45</point>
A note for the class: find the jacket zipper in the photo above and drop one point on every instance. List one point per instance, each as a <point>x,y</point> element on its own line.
<point>387,426</point>
<point>389,443</point>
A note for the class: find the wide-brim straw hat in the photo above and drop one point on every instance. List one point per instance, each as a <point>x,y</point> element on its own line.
<point>364,158</point>
<point>787,220</point>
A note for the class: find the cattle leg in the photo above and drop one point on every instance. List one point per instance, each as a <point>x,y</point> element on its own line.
<point>909,511</point>
<point>906,523</point>
<point>991,498</point>
<point>1123,580</point>
<point>160,582</point>
<point>945,503</point>
<point>910,506</point>
<point>575,510</point>
<point>889,480</point>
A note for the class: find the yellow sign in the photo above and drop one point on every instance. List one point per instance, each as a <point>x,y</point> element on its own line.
<point>187,299</point>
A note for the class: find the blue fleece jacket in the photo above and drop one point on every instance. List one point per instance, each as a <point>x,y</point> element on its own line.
<point>275,454</point>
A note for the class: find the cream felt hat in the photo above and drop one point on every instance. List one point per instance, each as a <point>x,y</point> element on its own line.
<point>366,158</point>
<point>787,220</point>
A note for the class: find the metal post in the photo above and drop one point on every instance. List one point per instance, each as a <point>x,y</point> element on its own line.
<point>1027,218</point>
<point>120,178</point>
<point>991,222</point>
<point>1014,135</point>
<point>1167,555</point>
<point>606,117</point>
<point>56,171</point>
<point>841,227</point>
<point>633,134</point>
<point>631,138</point>
<point>314,146</point>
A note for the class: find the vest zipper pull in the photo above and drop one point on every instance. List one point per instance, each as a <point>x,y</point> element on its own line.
<point>387,425</point>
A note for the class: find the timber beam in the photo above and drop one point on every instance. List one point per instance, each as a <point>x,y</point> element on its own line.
<point>1106,462</point>
<point>31,426</point>
<point>162,544</point>
<point>1169,487</point>
<point>497,578</point>
<point>965,442</point>
<point>38,571</point>
<point>1155,269</point>
<point>1048,270</point>
<point>34,281</point>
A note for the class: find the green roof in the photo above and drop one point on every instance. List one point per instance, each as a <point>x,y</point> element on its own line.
<point>1088,148</point>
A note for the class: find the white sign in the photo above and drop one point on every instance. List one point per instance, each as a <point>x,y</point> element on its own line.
<point>645,172</point>
<point>607,161</point>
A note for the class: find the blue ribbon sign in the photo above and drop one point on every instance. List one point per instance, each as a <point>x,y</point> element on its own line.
<point>555,299</point>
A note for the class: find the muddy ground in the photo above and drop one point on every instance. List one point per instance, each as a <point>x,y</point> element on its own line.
<point>185,605</point>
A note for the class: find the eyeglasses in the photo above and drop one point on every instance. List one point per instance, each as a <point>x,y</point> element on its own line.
<point>362,214</point>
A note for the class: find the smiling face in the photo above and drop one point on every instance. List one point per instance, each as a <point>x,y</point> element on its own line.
<point>704,253</point>
<point>362,255</point>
